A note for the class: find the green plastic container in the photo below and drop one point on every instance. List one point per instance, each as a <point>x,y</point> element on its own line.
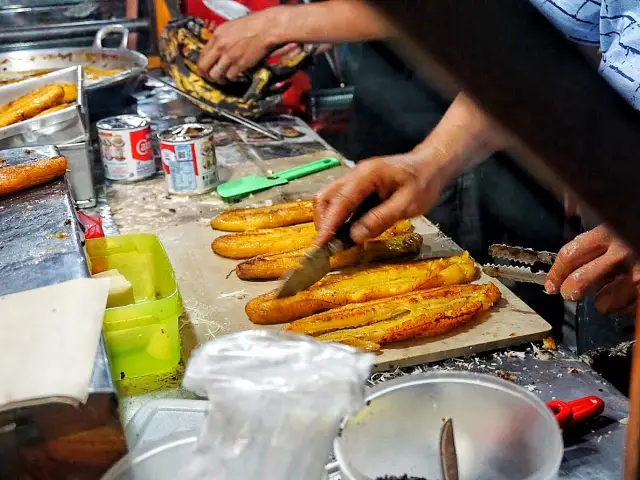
<point>141,339</point>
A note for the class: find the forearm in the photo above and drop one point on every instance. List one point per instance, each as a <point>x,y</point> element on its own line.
<point>464,137</point>
<point>336,21</point>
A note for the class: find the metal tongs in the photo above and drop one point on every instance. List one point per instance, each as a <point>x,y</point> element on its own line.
<point>519,273</point>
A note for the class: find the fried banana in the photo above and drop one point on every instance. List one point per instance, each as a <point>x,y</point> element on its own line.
<point>271,241</point>
<point>361,314</point>
<point>268,267</point>
<point>14,178</point>
<point>412,316</point>
<point>408,326</point>
<point>266,241</point>
<point>362,345</point>
<point>70,92</point>
<point>31,104</point>
<point>53,109</point>
<point>279,215</point>
<point>93,73</point>
<point>361,285</point>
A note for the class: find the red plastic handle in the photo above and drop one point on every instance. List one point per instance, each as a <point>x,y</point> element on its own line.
<point>571,413</point>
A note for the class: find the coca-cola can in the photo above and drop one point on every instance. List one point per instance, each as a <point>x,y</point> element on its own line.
<point>189,158</point>
<point>127,151</point>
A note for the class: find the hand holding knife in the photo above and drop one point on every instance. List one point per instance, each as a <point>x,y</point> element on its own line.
<point>316,264</point>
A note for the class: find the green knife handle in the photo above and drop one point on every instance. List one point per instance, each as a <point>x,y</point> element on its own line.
<point>308,169</point>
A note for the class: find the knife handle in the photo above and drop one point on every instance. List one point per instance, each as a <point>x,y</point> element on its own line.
<point>308,169</point>
<point>344,232</point>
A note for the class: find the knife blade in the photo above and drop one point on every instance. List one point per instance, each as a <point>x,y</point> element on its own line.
<point>448,455</point>
<point>437,245</point>
<point>316,264</point>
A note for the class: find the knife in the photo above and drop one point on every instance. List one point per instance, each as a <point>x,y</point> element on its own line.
<point>316,264</point>
<point>448,455</point>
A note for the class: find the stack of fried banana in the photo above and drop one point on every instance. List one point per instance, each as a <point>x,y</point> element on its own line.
<point>363,305</point>
<point>41,101</point>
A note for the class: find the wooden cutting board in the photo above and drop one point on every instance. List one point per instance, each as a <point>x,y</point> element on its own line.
<point>215,298</point>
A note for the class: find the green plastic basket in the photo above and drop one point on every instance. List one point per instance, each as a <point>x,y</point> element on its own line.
<point>143,338</point>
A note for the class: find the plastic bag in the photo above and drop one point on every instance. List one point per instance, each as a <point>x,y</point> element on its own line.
<point>276,402</point>
<point>92,225</point>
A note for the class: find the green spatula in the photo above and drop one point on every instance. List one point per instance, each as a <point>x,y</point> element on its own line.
<point>241,187</point>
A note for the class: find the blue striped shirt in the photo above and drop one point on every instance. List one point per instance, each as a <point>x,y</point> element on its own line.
<point>612,25</point>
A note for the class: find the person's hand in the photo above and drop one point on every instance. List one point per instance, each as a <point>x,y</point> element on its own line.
<point>597,262</point>
<point>240,44</point>
<point>409,185</point>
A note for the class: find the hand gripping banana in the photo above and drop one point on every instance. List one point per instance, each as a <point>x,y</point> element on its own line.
<point>258,92</point>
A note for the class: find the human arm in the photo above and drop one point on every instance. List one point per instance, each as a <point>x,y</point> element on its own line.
<point>409,184</point>
<point>596,262</point>
<point>240,44</point>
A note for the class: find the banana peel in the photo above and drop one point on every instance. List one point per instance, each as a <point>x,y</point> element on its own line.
<point>361,285</point>
<point>258,92</point>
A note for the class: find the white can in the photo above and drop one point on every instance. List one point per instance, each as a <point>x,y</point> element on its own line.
<point>127,151</point>
<point>189,158</point>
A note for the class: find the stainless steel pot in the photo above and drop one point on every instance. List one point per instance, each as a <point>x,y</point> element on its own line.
<point>502,432</point>
<point>132,63</point>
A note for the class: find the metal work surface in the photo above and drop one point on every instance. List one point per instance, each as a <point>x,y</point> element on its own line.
<point>40,239</point>
<point>41,243</point>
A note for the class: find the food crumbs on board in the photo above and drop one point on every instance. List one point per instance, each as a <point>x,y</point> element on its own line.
<point>238,294</point>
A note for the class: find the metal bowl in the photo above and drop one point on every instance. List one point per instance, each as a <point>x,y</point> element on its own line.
<point>501,430</point>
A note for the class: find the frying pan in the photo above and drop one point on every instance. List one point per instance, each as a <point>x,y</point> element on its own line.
<point>132,63</point>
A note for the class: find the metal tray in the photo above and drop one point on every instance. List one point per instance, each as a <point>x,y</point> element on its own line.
<point>41,241</point>
<point>41,130</point>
